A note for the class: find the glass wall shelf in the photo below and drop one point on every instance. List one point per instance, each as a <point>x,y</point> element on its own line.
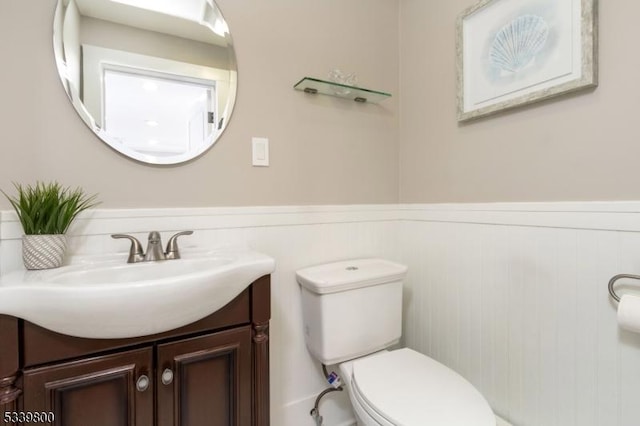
<point>358,94</point>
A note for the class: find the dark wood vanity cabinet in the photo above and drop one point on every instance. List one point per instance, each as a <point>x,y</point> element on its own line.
<point>213,372</point>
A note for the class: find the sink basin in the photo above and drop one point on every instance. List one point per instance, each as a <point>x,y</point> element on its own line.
<point>104,297</point>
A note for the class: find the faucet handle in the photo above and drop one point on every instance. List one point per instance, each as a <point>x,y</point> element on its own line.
<point>135,251</point>
<point>172,245</point>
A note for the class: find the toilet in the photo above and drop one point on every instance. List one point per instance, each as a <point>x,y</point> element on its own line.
<point>352,314</point>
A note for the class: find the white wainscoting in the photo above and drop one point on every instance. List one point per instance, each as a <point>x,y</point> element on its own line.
<point>513,296</point>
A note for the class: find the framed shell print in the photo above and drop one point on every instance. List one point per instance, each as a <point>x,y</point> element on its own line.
<point>515,52</point>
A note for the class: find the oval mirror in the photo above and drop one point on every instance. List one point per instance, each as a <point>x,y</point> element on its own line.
<point>154,79</point>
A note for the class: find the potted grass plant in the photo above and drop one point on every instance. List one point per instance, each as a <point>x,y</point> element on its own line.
<point>46,211</point>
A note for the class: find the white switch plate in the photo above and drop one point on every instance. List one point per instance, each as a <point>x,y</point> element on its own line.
<point>260,151</point>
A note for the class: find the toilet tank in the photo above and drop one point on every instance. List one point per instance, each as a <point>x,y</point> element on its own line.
<point>351,308</point>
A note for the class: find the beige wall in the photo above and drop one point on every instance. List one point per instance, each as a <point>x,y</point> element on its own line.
<point>582,147</point>
<point>327,151</point>
<point>323,150</point>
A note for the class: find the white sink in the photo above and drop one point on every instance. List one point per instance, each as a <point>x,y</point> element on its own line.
<point>105,297</point>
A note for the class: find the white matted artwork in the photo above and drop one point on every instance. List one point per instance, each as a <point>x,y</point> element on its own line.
<point>515,52</point>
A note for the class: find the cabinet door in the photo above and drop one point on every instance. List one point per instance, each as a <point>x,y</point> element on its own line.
<point>109,390</point>
<point>206,381</point>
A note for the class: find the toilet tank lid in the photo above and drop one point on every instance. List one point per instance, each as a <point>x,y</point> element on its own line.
<point>349,275</point>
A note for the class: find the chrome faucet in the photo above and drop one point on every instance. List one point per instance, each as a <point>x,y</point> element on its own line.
<point>154,247</point>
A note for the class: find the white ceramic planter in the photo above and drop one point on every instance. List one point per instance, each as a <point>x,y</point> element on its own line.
<point>43,251</point>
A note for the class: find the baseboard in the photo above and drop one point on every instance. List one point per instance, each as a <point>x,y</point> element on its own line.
<point>335,409</point>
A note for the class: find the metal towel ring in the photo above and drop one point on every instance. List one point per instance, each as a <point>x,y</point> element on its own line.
<point>616,278</point>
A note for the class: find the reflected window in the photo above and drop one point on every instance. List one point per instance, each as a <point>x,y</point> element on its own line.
<point>158,115</point>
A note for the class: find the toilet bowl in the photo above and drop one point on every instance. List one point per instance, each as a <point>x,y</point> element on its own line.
<point>352,313</point>
<point>404,387</point>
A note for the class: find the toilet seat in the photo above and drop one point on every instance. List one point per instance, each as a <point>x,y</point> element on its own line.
<point>406,388</point>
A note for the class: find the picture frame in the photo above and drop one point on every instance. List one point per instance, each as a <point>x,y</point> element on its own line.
<point>512,53</point>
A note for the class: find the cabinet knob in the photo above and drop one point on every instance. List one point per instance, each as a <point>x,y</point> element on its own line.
<point>167,376</point>
<point>143,383</point>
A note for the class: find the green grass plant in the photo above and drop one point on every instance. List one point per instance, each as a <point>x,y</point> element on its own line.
<point>48,208</point>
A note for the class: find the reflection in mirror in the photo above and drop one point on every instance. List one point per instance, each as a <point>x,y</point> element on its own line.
<point>154,79</point>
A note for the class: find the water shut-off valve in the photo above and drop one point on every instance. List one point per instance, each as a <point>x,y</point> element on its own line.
<point>336,386</point>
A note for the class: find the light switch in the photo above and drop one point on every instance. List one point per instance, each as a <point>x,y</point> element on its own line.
<point>260,154</point>
<point>260,151</point>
